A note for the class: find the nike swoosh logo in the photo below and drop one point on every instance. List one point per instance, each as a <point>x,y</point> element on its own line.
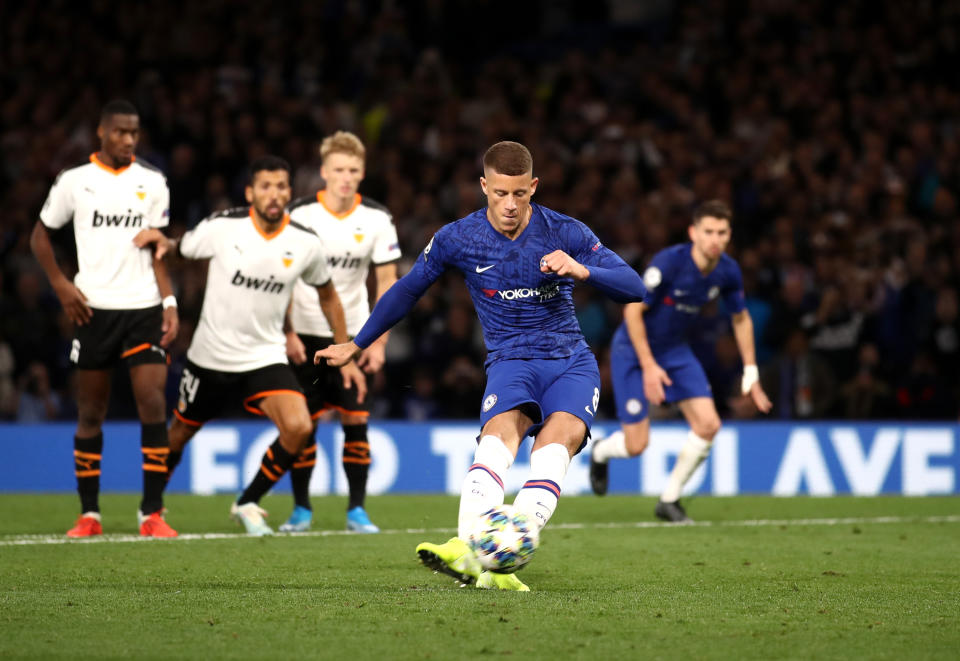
<point>485,268</point>
<point>587,409</point>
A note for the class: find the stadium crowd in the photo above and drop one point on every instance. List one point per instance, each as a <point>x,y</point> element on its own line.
<point>833,129</point>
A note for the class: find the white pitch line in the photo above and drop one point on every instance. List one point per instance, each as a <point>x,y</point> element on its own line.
<point>40,540</point>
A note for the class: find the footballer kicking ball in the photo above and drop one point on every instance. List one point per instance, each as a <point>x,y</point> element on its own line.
<point>503,539</point>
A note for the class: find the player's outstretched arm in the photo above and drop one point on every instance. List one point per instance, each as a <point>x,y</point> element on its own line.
<point>394,305</point>
<point>750,384</point>
<point>72,299</point>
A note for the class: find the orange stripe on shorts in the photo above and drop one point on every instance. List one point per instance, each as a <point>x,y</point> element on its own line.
<point>136,349</point>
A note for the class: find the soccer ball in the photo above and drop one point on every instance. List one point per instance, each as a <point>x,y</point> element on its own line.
<point>503,539</point>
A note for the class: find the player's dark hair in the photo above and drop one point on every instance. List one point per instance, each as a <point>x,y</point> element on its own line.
<point>269,163</point>
<point>714,208</point>
<point>117,107</point>
<point>509,158</point>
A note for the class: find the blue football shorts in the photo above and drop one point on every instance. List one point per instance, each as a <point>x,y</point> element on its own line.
<point>683,368</point>
<point>542,386</point>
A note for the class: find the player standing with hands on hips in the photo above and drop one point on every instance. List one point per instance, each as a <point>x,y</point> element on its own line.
<point>520,262</point>
<point>121,303</point>
<point>652,362</point>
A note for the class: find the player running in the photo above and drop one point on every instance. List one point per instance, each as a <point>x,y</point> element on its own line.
<point>256,254</point>
<point>520,261</point>
<point>357,233</point>
<point>120,302</point>
<point>651,360</point>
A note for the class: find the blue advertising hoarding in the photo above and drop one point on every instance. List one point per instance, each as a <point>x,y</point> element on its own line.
<point>783,459</point>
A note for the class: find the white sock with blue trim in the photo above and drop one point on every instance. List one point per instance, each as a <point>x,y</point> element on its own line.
<point>483,486</point>
<point>539,495</point>
<point>613,446</point>
<point>692,454</point>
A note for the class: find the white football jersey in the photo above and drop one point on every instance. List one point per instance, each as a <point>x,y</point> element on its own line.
<point>353,240</point>
<point>108,208</point>
<point>249,283</point>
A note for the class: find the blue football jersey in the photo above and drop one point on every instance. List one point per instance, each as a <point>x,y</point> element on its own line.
<point>676,290</point>
<point>523,313</point>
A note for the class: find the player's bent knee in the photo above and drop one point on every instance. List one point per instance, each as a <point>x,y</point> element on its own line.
<point>152,407</point>
<point>90,421</point>
<point>295,429</point>
<point>707,429</point>
<point>637,444</point>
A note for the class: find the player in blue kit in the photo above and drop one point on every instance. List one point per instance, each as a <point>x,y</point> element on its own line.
<point>520,261</point>
<point>651,360</point>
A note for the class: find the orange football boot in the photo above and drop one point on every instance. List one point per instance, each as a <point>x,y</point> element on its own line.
<point>87,526</point>
<point>154,526</point>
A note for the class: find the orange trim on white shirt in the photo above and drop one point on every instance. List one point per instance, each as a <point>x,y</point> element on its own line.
<point>274,233</point>
<point>96,161</point>
<point>322,199</point>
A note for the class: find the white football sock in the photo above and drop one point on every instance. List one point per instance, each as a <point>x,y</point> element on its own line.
<point>692,454</point>
<point>539,495</point>
<point>613,446</point>
<point>483,486</point>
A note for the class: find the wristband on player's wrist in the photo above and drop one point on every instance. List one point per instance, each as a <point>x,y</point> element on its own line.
<point>751,375</point>
<point>169,302</point>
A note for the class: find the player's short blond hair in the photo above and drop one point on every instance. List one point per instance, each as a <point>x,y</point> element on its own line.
<point>342,142</point>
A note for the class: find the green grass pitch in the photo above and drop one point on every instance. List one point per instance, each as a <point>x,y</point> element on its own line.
<point>756,578</point>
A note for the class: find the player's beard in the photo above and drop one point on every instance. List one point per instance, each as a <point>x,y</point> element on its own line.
<point>120,158</point>
<point>270,219</point>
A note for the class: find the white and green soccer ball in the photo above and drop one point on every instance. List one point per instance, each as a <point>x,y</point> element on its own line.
<point>503,539</point>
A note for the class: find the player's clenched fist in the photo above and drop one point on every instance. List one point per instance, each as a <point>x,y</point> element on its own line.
<point>563,264</point>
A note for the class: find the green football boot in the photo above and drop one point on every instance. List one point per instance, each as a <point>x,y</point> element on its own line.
<point>454,558</point>
<point>493,581</point>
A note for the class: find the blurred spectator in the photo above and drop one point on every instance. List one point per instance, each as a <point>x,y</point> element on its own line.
<point>798,381</point>
<point>8,392</point>
<point>462,388</point>
<point>943,341</point>
<point>923,392</point>
<point>38,402</point>
<point>866,395</point>
<point>418,403</point>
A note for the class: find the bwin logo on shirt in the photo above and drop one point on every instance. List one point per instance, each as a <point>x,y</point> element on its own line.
<point>129,220</point>
<point>269,285</point>
<point>345,261</point>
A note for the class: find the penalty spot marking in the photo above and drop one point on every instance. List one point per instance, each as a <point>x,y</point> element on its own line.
<point>41,540</point>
